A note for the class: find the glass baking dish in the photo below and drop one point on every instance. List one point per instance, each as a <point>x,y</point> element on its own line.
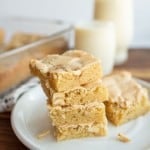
<point>14,63</point>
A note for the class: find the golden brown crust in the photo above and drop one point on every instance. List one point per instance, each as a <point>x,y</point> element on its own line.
<point>127,99</point>
<point>63,72</point>
<point>123,89</point>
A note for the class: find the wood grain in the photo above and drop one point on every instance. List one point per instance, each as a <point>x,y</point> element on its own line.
<point>138,63</point>
<point>8,140</point>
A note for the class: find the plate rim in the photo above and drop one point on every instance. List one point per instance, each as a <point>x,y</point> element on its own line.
<point>25,141</point>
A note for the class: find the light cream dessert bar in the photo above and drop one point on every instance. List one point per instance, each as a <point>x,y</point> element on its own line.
<point>21,38</point>
<point>80,95</point>
<point>77,114</point>
<point>66,71</point>
<point>82,130</point>
<point>127,98</point>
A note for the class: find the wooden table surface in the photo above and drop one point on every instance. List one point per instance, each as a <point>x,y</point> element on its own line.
<point>138,63</point>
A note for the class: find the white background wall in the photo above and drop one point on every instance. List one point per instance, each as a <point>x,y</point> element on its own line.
<point>76,10</point>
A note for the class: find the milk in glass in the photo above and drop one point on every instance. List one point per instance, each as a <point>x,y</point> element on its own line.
<point>121,13</point>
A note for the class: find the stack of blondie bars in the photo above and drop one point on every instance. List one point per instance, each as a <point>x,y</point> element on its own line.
<point>72,83</point>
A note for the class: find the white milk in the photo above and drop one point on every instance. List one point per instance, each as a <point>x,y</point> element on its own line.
<point>121,13</point>
<point>97,38</point>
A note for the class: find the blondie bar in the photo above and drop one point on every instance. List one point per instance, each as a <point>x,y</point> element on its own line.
<point>77,114</point>
<point>66,71</point>
<point>81,130</point>
<point>80,95</point>
<point>21,38</point>
<point>127,98</point>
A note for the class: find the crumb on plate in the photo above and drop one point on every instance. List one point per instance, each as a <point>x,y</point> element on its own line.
<point>121,137</point>
<point>43,134</point>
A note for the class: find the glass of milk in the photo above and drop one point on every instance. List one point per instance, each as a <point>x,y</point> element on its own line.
<point>97,38</point>
<point>121,13</point>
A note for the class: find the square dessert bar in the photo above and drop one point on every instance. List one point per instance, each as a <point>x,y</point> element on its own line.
<point>127,98</point>
<point>87,93</point>
<point>22,38</point>
<point>77,114</point>
<point>66,71</point>
<point>82,130</point>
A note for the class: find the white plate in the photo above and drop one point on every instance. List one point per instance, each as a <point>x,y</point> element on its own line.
<point>30,117</point>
